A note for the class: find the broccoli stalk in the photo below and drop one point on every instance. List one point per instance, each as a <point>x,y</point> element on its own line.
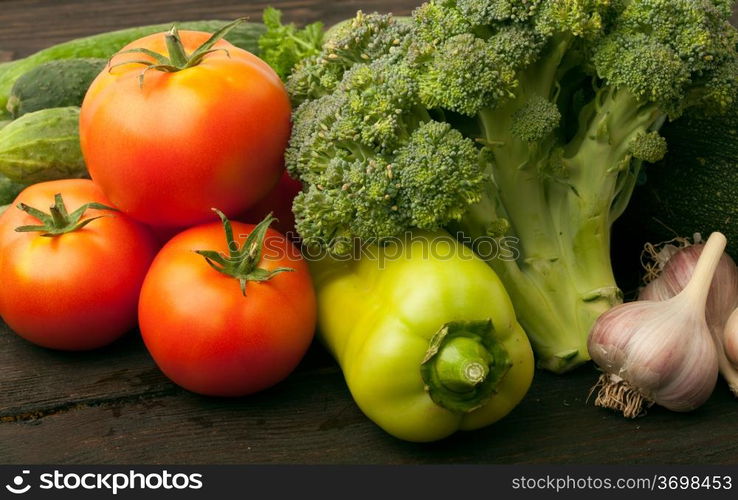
<point>524,121</point>
<point>560,217</point>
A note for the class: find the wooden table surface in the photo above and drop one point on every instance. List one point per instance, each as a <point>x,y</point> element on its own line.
<point>114,406</point>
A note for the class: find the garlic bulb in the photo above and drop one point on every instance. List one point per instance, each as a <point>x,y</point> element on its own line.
<point>722,300</point>
<point>659,351</point>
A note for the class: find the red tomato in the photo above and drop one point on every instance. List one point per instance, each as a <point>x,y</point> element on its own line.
<point>168,150</point>
<point>210,338</point>
<point>279,203</point>
<point>77,290</point>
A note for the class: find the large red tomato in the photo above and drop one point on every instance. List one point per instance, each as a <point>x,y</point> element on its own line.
<point>78,289</point>
<point>166,147</point>
<point>224,321</point>
<point>278,203</point>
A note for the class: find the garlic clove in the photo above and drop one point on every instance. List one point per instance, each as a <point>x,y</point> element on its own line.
<point>655,291</point>
<point>730,339</point>
<point>659,351</point>
<point>721,302</point>
<point>723,295</point>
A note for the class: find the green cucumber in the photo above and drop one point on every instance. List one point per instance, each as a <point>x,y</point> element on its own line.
<point>8,190</point>
<point>42,146</point>
<point>105,45</point>
<point>54,84</point>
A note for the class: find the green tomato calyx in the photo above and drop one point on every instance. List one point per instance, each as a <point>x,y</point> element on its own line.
<point>59,220</point>
<point>177,59</point>
<point>243,262</point>
<point>464,365</point>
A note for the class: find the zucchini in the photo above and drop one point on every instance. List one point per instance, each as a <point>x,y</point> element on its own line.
<point>42,146</point>
<point>54,84</point>
<point>693,190</point>
<point>105,45</point>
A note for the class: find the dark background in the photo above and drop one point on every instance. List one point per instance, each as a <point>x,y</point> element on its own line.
<point>114,406</point>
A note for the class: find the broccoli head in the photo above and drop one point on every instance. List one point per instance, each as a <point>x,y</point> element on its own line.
<point>526,119</point>
<point>375,163</point>
<point>672,53</point>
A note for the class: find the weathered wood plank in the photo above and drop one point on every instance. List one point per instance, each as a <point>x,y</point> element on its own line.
<point>310,418</point>
<point>35,381</point>
<point>113,405</point>
<point>30,25</point>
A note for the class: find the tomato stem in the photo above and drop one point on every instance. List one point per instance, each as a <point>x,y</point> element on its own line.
<point>243,262</point>
<point>177,54</point>
<point>177,59</point>
<point>59,220</point>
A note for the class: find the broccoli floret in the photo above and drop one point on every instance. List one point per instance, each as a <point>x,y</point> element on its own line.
<point>535,120</point>
<point>525,119</point>
<point>483,12</point>
<point>433,177</point>
<point>651,71</point>
<point>465,75</point>
<point>725,7</point>
<point>375,163</point>
<point>673,53</point>
<point>364,38</point>
<point>582,18</point>
<point>516,46</point>
<point>439,174</point>
<point>649,147</point>
<point>437,21</point>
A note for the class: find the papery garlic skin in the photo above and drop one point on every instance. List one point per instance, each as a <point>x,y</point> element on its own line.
<point>659,351</point>
<point>722,300</point>
<point>730,341</point>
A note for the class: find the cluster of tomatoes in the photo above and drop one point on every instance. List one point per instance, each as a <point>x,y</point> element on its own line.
<point>225,308</point>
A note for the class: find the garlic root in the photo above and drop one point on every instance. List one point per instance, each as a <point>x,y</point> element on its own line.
<point>617,394</point>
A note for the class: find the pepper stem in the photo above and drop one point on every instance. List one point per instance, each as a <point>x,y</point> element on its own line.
<point>464,365</point>
<point>58,220</point>
<point>242,263</point>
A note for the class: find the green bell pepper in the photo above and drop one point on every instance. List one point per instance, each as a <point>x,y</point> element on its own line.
<point>425,334</point>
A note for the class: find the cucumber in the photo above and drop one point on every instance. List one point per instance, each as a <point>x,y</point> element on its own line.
<point>54,84</point>
<point>42,146</point>
<point>105,45</point>
<point>8,190</point>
